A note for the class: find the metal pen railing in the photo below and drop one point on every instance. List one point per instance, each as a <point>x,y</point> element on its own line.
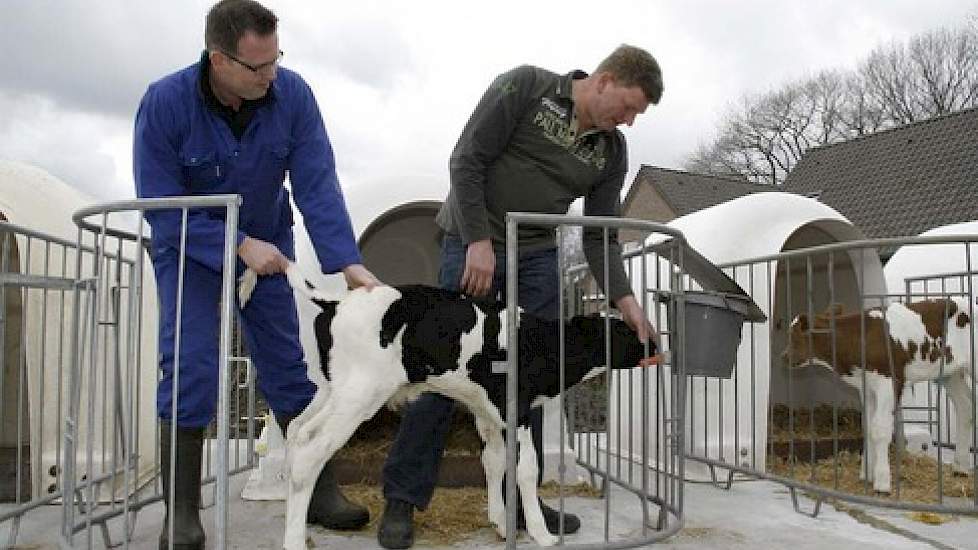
<point>656,478</point>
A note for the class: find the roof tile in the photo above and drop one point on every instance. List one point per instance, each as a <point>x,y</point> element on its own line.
<point>901,181</point>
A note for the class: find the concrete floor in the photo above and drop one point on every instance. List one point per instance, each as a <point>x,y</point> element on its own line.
<point>752,514</point>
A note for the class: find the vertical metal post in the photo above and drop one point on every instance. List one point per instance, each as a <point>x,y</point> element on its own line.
<point>512,373</point>
<point>227,301</point>
<point>175,392</point>
<point>644,376</point>
<point>680,399</point>
<point>607,362</point>
<point>974,398</point>
<point>562,382</point>
<point>71,422</point>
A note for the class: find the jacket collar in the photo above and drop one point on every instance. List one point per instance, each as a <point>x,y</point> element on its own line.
<point>565,86</point>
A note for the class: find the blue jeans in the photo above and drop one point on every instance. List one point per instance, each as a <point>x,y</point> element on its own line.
<point>411,470</point>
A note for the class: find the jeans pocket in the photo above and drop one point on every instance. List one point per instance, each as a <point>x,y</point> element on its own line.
<point>452,262</point>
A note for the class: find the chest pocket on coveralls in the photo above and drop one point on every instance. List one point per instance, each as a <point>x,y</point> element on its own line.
<point>203,173</point>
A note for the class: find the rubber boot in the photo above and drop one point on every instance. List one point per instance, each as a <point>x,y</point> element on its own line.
<point>396,525</point>
<point>188,534</point>
<point>328,506</point>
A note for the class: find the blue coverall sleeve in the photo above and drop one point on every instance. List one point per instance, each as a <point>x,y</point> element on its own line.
<point>312,171</point>
<point>158,172</point>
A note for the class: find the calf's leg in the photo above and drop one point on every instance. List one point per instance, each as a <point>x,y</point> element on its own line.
<point>311,444</point>
<point>960,392</point>
<point>881,433</point>
<point>526,476</point>
<point>494,463</point>
<point>868,403</point>
<point>328,506</point>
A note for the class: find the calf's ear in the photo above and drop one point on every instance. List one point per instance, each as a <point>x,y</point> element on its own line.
<point>800,322</point>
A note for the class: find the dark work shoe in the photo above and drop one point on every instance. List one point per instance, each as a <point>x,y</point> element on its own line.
<point>552,518</point>
<point>330,508</point>
<point>396,529</point>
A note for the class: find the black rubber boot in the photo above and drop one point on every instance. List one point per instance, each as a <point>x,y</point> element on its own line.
<point>396,525</point>
<point>188,534</point>
<point>552,518</point>
<point>328,506</point>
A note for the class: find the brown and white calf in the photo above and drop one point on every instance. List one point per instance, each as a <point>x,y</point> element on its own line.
<point>393,343</point>
<point>927,340</point>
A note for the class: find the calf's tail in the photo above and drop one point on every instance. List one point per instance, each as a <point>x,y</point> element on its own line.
<point>249,279</point>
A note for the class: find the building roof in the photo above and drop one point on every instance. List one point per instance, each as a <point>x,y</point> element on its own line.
<point>686,192</point>
<point>901,181</point>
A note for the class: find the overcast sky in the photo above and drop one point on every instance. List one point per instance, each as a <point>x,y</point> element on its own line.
<point>396,80</point>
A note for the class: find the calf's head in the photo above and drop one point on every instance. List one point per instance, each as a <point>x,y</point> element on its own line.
<point>808,339</point>
<point>586,339</point>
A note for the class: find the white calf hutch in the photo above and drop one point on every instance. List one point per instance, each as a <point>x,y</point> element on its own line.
<point>48,286</point>
<point>727,418</point>
<point>928,271</point>
<point>792,255</point>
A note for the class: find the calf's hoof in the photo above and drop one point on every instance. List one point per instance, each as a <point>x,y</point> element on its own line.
<point>962,471</point>
<point>396,529</point>
<point>547,540</point>
<point>499,528</point>
<point>297,545</point>
<point>552,518</point>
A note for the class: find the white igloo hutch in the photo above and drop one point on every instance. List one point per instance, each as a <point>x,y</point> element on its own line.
<point>37,357</point>
<point>727,419</point>
<point>929,271</point>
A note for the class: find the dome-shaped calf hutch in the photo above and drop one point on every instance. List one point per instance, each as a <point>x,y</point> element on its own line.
<point>752,238</point>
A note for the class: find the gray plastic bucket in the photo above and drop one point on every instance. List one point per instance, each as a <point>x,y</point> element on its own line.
<point>713,326</point>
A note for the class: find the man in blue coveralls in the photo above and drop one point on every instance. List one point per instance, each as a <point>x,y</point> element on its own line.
<point>236,122</point>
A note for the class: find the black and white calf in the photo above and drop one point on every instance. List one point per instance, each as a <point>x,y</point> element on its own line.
<point>391,344</point>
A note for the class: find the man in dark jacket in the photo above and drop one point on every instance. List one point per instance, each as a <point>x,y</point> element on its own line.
<point>535,142</point>
<point>237,122</point>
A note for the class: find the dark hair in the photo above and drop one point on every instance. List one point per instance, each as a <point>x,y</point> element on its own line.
<point>633,66</point>
<point>228,20</point>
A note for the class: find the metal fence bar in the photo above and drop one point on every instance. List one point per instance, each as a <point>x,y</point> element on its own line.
<point>91,362</point>
<point>615,463</point>
<point>512,366</point>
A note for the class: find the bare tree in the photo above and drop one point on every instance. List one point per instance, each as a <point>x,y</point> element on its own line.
<point>859,113</point>
<point>763,137</point>
<point>947,65</point>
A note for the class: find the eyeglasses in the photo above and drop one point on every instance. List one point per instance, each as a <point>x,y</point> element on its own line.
<point>257,68</point>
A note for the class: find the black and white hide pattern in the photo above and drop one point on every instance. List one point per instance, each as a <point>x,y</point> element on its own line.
<point>391,344</point>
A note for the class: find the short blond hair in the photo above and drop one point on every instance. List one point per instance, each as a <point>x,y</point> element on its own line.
<point>633,66</point>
